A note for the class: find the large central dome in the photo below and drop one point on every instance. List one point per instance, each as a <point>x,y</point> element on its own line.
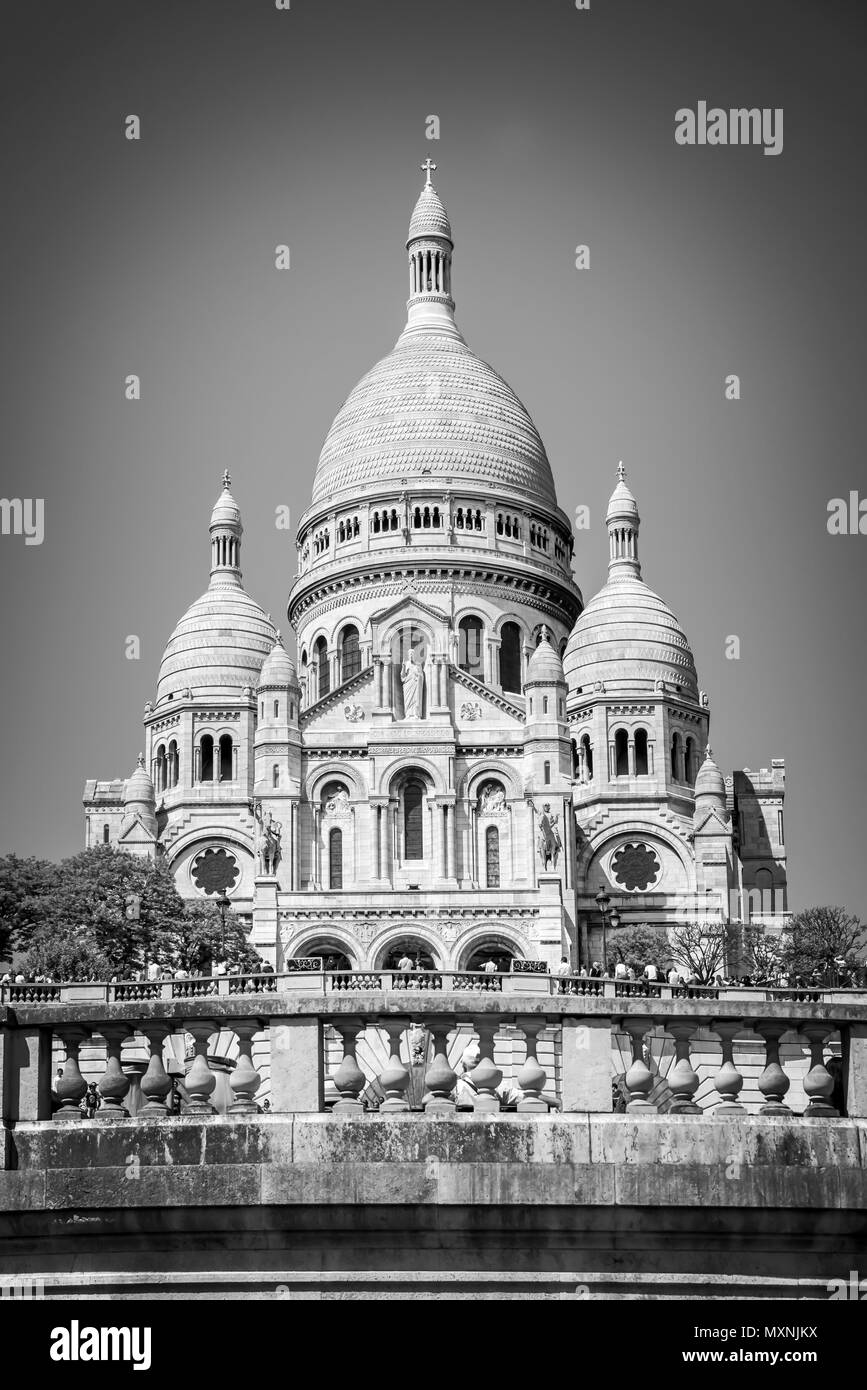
<point>432,409</point>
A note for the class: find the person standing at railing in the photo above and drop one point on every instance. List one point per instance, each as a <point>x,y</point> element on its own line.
<point>405,965</point>
<point>564,970</point>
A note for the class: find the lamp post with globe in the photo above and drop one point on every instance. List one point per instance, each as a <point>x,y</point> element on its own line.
<point>613,918</point>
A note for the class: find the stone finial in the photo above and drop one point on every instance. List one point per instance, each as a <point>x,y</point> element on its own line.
<point>621,471</point>
<point>140,760</point>
<point>226,479</point>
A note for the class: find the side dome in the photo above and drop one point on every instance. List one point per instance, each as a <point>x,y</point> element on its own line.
<point>138,788</point>
<point>710,781</point>
<point>432,409</point>
<point>627,637</point>
<point>544,665</point>
<point>278,670</point>
<point>224,637</point>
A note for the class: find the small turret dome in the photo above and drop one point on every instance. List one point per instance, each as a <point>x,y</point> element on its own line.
<point>226,510</point>
<point>138,788</point>
<point>278,670</point>
<point>545,665</point>
<point>710,781</point>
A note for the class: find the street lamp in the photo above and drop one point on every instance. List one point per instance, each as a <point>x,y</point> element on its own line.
<point>602,901</point>
<point>224,903</point>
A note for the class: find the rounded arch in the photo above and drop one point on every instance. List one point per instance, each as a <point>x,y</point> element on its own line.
<point>318,779</point>
<point>348,641</point>
<point>594,874</point>
<point>319,942</point>
<point>185,843</point>
<point>492,768</point>
<point>392,775</point>
<point>492,937</point>
<point>403,634</point>
<point>396,938</point>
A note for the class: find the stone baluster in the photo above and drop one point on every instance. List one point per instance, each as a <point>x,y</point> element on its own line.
<point>349,1079</point>
<point>531,1076</point>
<point>682,1078</point>
<point>440,1079</point>
<point>728,1080</point>
<point>114,1082</point>
<point>394,1080</point>
<point>156,1084</point>
<point>818,1083</point>
<point>639,1077</point>
<point>486,1075</point>
<point>71,1086</point>
<point>200,1081</point>
<point>245,1081</point>
<point>773,1082</point>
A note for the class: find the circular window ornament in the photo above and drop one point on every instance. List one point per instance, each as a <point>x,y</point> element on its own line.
<point>215,871</point>
<point>635,867</point>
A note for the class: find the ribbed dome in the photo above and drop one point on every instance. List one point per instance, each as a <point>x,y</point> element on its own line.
<point>433,409</point>
<point>710,781</point>
<point>430,217</point>
<point>628,636</point>
<point>219,644</point>
<point>279,669</point>
<point>138,788</point>
<point>544,664</point>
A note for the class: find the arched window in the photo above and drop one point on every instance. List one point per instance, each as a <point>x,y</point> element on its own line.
<point>510,657</point>
<point>413,817</point>
<point>174,764</point>
<point>276,708</point>
<point>335,858</point>
<point>227,771</point>
<point>275,775</point>
<point>588,758</point>
<point>689,760</point>
<point>350,653</point>
<point>546,778</point>
<point>675,758</point>
<point>641,767</point>
<point>206,756</point>
<point>621,753</point>
<point>470,656</point>
<point>320,656</point>
<point>105,834</point>
<point>492,857</point>
<point>161,780</point>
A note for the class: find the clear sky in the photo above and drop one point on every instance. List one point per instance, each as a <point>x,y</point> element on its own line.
<point>307,127</point>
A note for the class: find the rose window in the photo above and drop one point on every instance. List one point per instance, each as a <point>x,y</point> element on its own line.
<point>215,871</point>
<point>635,867</point>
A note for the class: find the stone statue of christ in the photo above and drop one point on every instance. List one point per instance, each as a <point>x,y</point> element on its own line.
<point>411,676</point>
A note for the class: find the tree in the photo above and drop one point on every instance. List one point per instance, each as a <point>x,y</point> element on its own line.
<point>637,946</point>
<point>196,941</point>
<point>122,901</point>
<point>68,956</point>
<point>763,949</point>
<point>25,885</point>
<point>700,948</point>
<point>819,938</point>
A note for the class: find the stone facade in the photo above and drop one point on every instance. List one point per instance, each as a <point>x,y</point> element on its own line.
<point>463,753</point>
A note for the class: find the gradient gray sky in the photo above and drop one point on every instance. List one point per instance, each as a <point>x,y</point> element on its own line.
<point>307,126</point>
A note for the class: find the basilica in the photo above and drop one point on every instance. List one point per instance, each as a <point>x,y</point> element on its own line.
<point>464,761</point>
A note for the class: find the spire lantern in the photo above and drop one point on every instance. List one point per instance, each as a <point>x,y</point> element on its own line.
<point>623,521</point>
<point>429,246</point>
<point>226,531</point>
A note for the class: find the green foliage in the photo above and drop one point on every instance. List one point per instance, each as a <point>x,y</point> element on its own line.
<point>71,956</point>
<point>819,937</point>
<point>94,890</point>
<point>701,948</point>
<point>109,914</point>
<point>25,885</point>
<point>197,941</point>
<point>637,946</point>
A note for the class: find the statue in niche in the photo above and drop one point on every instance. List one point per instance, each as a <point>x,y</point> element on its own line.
<point>548,840</point>
<point>492,800</point>
<point>338,803</point>
<point>411,678</point>
<point>270,833</point>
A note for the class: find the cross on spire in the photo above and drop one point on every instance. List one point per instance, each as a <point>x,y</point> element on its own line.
<point>226,480</point>
<point>621,471</point>
<point>427,168</point>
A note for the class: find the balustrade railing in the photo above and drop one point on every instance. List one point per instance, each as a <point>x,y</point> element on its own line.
<point>441,981</point>
<point>433,1051</point>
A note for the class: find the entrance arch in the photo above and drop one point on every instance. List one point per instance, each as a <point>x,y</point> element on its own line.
<point>493,945</point>
<point>421,951</point>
